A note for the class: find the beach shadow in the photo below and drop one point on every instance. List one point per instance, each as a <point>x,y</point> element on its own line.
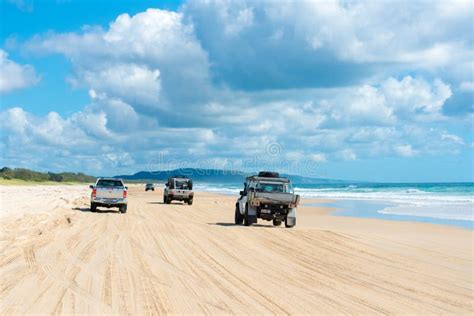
<point>87,209</point>
<point>223,224</point>
<point>161,203</point>
<point>232,224</point>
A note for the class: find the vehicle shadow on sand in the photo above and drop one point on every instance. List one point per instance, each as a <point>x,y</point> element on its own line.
<point>87,209</point>
<point>161,203</point>
<point>232,224</point>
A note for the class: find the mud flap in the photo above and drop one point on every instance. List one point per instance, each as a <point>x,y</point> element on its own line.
<point>291,217</point>
<point>252,214</point>
<point>252,211</point>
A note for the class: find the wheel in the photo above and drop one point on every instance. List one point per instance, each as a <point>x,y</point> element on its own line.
<point>93,207</point>
<point>123,209</point>
<point>190,202</point>
<point>153,189</point>
<point>239,218</point>
<point>168,201</point>
<point>276,222</point>
<point>248,220</point>
<point>288,225</point>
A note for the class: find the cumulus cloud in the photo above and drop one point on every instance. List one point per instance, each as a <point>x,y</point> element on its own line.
<point>15,76</point>
<point>466,86</point>
<point>151,58</point>
<point>302,43</point>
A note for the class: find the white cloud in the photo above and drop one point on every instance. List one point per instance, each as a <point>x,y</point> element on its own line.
<point>129,82</point>
<point>151,58</point>
<point>404,150</point>
<point>467,86</point>
<point>318,157</point>
<point>15,76</point>
<point>452,138</point>
<point>348,154</point>
<point>398,34</point>
<point>417,97</point>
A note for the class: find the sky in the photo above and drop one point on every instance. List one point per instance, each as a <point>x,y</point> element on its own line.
<point>356,90</point>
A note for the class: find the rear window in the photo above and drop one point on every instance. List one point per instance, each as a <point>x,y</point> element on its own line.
<point>271,187</point>
<point>109,183</point>
<point>183,185</point>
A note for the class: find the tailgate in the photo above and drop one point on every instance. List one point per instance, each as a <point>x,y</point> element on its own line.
<point>283,198</point>
<point>177,192</point>
<point>110,193</point>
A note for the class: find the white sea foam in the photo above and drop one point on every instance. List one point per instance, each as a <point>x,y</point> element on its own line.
<point>408,202</point>
<point>456,212</point>
<point>217,189</point>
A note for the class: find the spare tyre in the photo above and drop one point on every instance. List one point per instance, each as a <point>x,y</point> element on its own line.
<point>268,174</point>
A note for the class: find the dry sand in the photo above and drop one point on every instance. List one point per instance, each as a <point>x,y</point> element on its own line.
<point>192,259</point>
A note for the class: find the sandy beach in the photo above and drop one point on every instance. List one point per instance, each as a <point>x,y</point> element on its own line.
<point>58,257</point>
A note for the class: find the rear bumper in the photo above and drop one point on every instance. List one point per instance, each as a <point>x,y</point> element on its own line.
<point>180,197</point>
<point>109,202</point>
<point>275,212</point>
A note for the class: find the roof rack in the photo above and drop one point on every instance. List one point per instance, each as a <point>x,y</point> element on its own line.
<point>268,174</point>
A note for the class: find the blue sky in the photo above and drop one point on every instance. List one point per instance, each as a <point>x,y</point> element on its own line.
<point>339,89</point>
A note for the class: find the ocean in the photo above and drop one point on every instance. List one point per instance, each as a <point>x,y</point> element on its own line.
<point>437,203</point>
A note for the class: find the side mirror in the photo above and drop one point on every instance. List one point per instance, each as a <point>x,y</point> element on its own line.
<point>126,188</point>
<point>91,186</point>
<point>241,192</point>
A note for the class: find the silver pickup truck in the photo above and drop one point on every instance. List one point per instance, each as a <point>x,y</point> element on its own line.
<point>269,197</point>
<point>109,192</point>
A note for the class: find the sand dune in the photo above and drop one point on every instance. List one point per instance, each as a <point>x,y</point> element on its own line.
<point>191,259</point>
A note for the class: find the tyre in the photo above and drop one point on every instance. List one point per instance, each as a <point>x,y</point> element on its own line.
<point>190,202</point>
<point>239,218</point>
<point>123,209</point>
<point>93,207</point>
<point>276,222</point>
<point>288,225</point>
<point>153,189</point>
<point>168,201</point>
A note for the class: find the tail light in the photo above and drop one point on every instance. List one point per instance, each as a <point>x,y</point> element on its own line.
<point>124,194</point>
<point>94,192</point>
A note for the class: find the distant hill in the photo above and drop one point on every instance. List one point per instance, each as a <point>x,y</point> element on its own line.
<point>214,176</point>
<point>30,175</point>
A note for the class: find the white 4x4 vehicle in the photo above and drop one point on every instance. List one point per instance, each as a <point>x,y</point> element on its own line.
<point>267,196</point>
<point>179,188</point>
<point>109,192</point>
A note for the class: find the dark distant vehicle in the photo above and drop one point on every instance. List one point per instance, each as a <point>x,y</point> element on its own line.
<point>178,188</point>
<point>269,197</point>
<point>109,192</point>
<point>149,186</point>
